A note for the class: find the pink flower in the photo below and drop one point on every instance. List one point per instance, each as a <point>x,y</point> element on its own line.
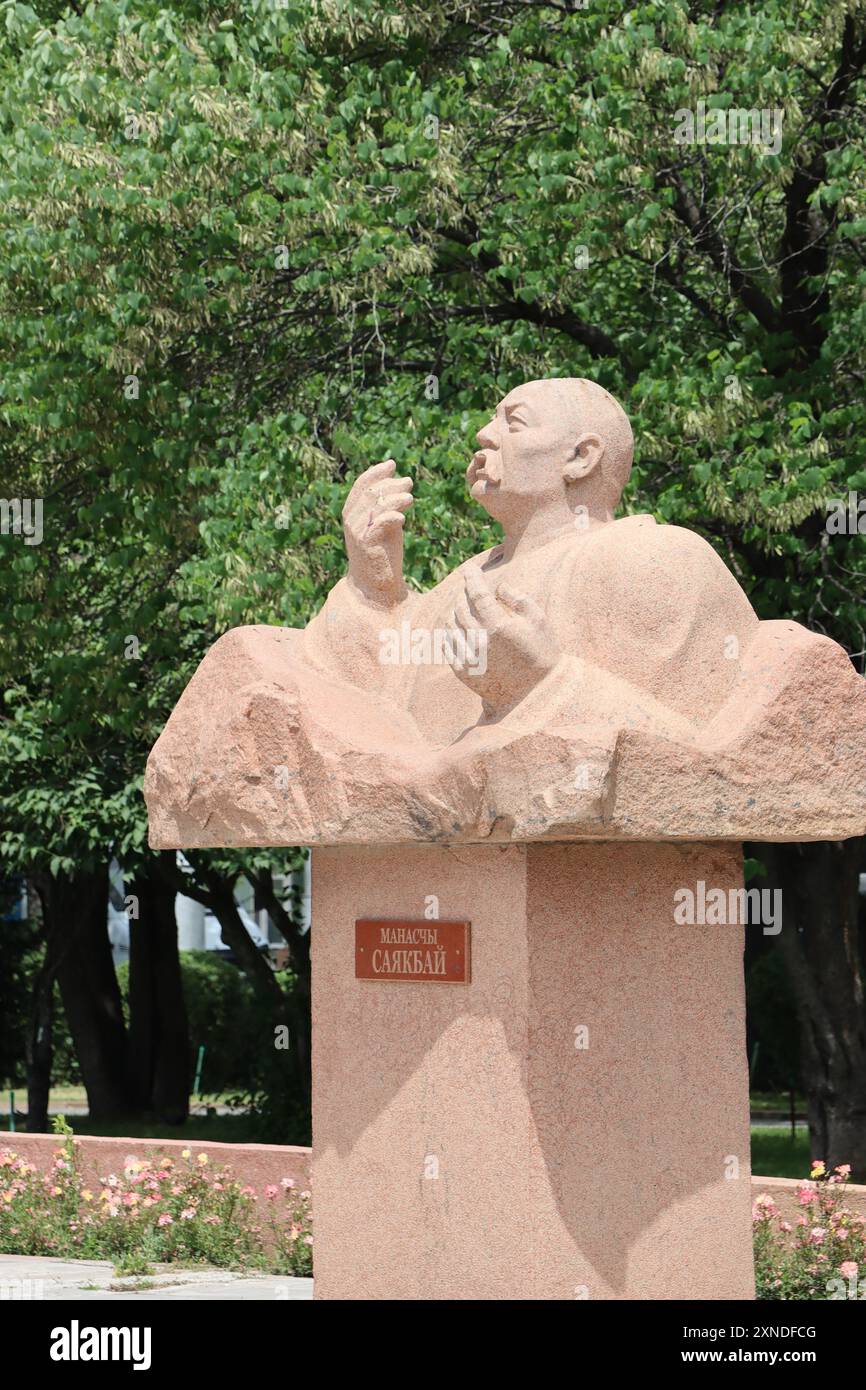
<point>213,1221</point>
<point>848,1269</point>
<point>271,1192</point>
<point>164,1220</point>
<point>187,1214</point>
<point>785,1226</point>
<point>816,1235</point>
<point>763,1208</point>
<point>844,1169</point>
<point>806,1193</point>
<point>287,1184</point>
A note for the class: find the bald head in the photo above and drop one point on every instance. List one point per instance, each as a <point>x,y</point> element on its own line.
<point>554,447</point>
<point>584,407</point>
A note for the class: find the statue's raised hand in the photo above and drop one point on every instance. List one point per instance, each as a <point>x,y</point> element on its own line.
<point>373,519</point>
<point>503,644</point>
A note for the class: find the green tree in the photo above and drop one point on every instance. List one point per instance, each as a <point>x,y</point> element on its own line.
<point>250,249</point>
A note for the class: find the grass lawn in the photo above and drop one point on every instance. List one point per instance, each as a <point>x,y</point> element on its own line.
<point>776,1155</point>
<point>775,1100</point>
<point>61,1096</point>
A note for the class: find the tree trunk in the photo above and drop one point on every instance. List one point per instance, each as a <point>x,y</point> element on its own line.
<point>251,960</point>
<point>820,942</point>
<point>298,942</point>
<point>75,907</point>
<point>40,1023</point>
<point>282,1010</point>
<point>142,1004</point>
<point>40,1047</point>
<point>158,1030</point>
<point>215,889</point>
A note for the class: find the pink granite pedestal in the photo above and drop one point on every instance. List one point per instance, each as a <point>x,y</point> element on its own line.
<point>473,1141</point>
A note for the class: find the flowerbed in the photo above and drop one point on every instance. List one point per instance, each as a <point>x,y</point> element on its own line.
<point>192,1212</point>
<point>160,1211</point>
<point>820,1256</point>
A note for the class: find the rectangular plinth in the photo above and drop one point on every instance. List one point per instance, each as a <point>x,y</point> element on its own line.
<point>573,1122</point>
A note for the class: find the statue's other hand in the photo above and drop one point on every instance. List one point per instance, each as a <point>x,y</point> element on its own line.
<point>373,517</point>
<point>503,645</point>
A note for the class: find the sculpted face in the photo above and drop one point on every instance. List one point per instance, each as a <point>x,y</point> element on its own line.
<point>528,451</point>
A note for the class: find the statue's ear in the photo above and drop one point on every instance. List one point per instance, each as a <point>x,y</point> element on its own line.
<point>586,456</point>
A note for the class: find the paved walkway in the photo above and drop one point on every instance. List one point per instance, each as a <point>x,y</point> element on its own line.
<point>38,1277</point>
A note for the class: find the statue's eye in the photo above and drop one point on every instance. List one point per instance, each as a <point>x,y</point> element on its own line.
<point>515,419</point>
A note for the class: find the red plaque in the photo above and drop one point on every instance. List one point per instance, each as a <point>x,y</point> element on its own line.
<point>426,952</point>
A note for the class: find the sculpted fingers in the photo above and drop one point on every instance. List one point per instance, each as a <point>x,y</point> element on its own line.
<point>462,618</point>
<point>375,497</point>
<point>458,628</point>
<point>393,484</point>
<point>382,522</point>
<point>393,492</point>
<point>379,475</point>
<point>373,519</point>
<point>481,602</point>
<point>522,604</point>
<point>387,505</point>
<point>378,471</point>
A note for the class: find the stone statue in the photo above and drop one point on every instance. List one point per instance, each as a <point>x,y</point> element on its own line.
<point>587,678</point>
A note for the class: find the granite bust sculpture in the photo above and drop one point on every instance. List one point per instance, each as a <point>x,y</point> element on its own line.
<point>586,678</point>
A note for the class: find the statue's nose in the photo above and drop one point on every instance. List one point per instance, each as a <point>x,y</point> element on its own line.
<point>486,436</point>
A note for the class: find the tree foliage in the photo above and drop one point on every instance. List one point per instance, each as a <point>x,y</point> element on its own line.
<point>249,248</point>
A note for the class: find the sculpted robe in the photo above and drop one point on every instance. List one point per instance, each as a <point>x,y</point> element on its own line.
<point>626,660</point>
<point>667,693</point>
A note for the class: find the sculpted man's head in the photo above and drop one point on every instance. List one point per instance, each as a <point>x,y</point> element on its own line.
<point>558,444</point>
